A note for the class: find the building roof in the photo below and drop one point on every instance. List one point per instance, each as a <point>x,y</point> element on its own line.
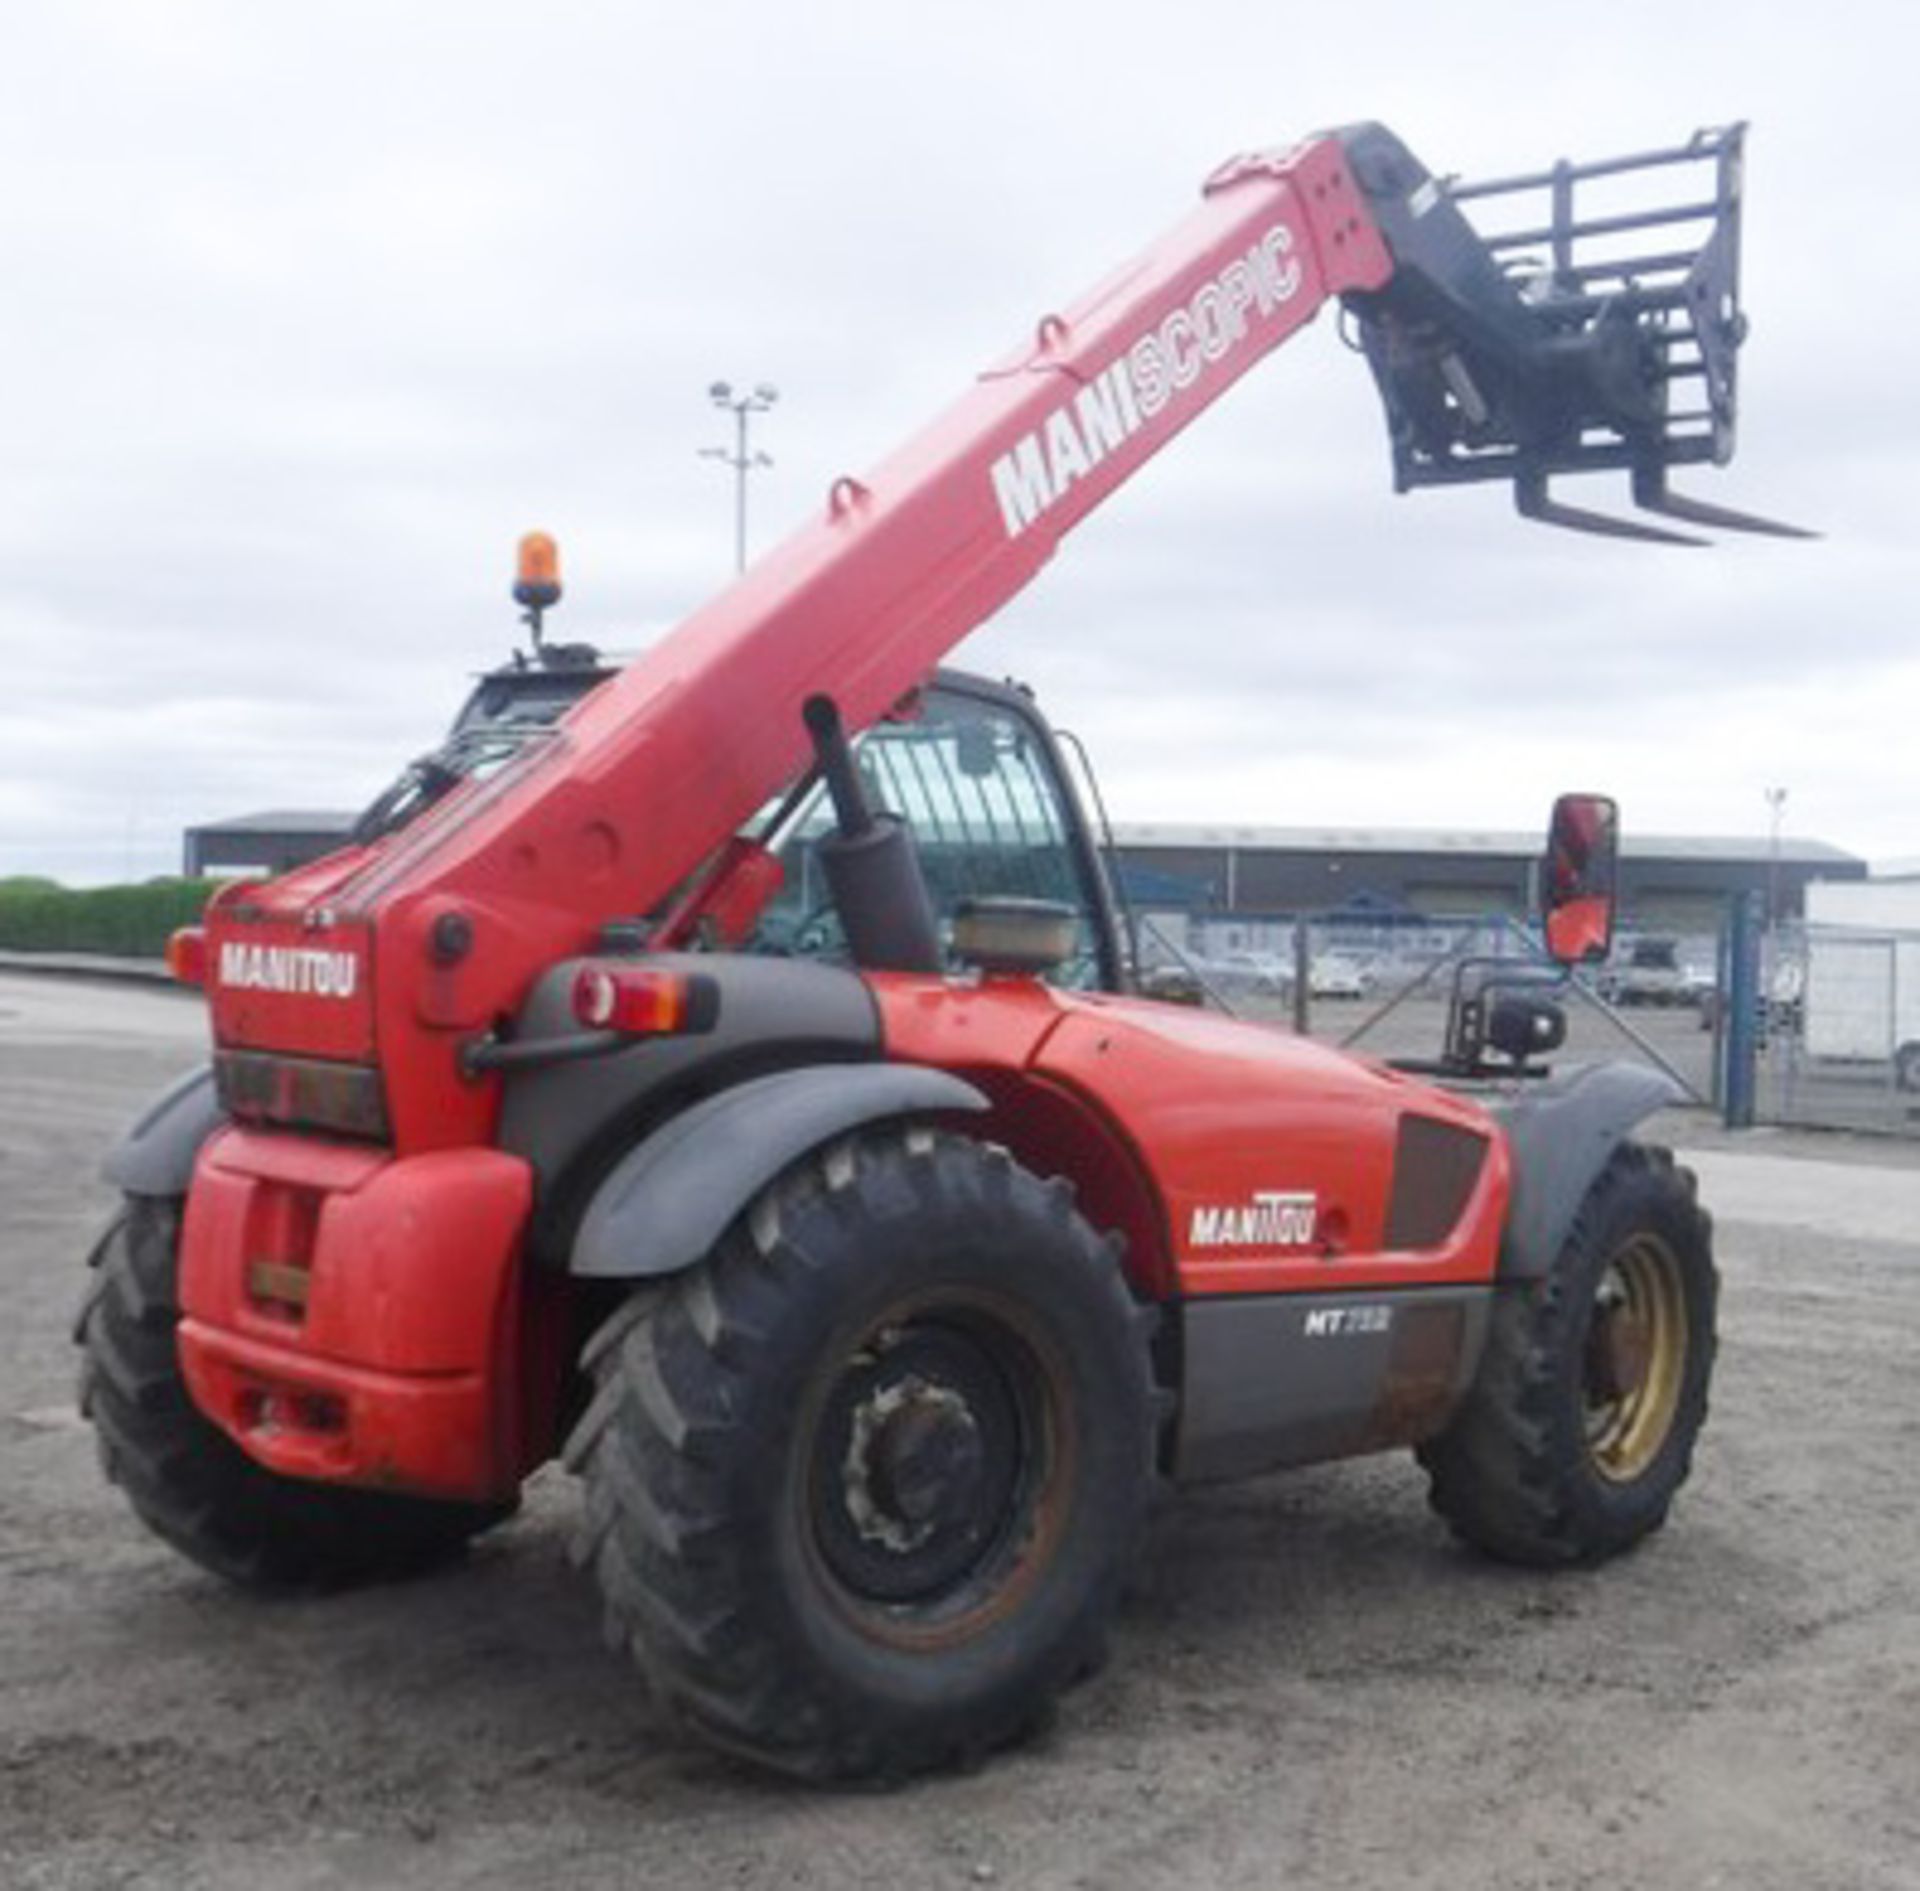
<point>280,821</point>
<point>1498,843</point>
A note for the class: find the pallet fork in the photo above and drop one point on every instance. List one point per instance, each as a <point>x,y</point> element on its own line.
<point>1557,343</point>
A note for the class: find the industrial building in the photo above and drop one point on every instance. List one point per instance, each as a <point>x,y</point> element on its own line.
<point>1375,876</point>
<point>271,843</point>
<point>1668,884</point>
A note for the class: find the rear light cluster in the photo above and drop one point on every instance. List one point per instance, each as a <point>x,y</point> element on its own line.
<point>301,1093</point>
<point>186,955</point>
<point>640,1001</point>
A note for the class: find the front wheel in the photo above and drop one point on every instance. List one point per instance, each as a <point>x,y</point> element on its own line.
<point>1581,1423</point>
<point>862,1487</point>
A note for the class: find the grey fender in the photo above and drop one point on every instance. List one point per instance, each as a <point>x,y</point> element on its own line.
<point>669,1199</point>
<point>156,1156</point>
<point>782,1013</point>
<point>1562,1135</point>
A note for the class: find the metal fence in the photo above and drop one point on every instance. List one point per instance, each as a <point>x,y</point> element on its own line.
<point>1834,1038</point>
<point>1383,988</point>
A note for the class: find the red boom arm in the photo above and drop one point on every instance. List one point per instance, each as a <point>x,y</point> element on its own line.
<point>661,764</point>
<point>694,736</point>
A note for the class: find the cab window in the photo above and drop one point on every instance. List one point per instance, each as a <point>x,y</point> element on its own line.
<point>985,807</point>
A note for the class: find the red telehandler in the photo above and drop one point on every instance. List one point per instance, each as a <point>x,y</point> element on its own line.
<point>733,1084</point>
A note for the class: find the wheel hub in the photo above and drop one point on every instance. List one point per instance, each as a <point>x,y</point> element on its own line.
<point>915,1462</point>
<point>1635,1359</point>
<point>920,1463</point>
<point>1619,1350</point>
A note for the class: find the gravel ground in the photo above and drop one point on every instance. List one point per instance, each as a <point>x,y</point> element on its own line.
<point>1312,1686</point>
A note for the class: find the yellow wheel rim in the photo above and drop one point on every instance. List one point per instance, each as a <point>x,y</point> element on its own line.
<point>1636,1358</point>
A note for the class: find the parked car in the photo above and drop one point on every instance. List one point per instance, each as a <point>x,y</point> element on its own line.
<point>1645,972</point>
<point>1263,972</point>
<point>1173,984</point>
<point>1334,975</point>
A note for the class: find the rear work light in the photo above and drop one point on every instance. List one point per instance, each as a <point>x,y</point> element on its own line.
<point>187,955</point>
<point>637,1001</point>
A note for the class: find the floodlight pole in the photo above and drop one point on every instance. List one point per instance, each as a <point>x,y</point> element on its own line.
<point>1776,803</point>
<point>740,406</point>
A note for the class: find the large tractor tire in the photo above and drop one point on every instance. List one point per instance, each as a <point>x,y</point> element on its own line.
<point>862,1487</point>
<point>189,1482</point>
<point>1582,1420</point>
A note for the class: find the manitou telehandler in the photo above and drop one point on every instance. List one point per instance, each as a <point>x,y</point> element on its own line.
<point>759,1118</point>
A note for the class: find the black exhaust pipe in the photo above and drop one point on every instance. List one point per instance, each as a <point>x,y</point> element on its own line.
<point>871,867</point>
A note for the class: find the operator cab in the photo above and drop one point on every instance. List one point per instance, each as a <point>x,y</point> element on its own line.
<point>508,707</point>
<point>535,687</point>
<point>521,693</point>
<point>970,778</point>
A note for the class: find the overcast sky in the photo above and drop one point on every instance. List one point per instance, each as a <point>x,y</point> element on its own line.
<point>308,310</point>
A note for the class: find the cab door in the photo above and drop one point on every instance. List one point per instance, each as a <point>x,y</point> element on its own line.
<point>979,778</point>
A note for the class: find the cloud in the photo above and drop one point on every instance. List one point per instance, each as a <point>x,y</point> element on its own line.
<point>310,311</point>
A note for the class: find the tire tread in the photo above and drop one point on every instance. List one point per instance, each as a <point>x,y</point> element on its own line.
<point>1510,1473</point>
<point>666,1419</point>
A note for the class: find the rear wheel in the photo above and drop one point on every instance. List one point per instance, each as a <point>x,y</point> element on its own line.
<point>862,1487</point>
<point>188,1481</point>
<point>1581,1423</point>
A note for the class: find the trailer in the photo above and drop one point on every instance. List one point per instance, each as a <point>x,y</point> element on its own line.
<point>1862,990</point>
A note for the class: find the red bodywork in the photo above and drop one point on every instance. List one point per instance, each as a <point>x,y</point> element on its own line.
<point>1196,1113</point>
<point>417,1352</point>
<point>388,1368</point>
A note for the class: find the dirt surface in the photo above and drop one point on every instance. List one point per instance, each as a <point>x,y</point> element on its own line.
<point>1312,1686</point>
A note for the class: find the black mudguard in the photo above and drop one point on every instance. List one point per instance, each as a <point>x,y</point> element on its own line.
<point>670,1198</point>
<point>1561,1135</point>
<point>156,1156</point>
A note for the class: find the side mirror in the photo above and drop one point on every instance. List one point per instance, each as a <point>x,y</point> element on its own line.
<point>1577,882</point>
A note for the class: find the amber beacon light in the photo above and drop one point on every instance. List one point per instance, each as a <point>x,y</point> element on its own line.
<point>536,582</point>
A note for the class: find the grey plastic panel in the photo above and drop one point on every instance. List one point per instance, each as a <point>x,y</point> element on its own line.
<point>1562,1135</point>
<point>670,1199</point>
<point>1276,1379</point>
<point>786,1011</point>
<point>156,1156</point>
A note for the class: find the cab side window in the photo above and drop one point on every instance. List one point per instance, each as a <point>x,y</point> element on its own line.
<point>987,815</point>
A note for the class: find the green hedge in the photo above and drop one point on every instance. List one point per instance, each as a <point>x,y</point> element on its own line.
<point>123,921</point>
